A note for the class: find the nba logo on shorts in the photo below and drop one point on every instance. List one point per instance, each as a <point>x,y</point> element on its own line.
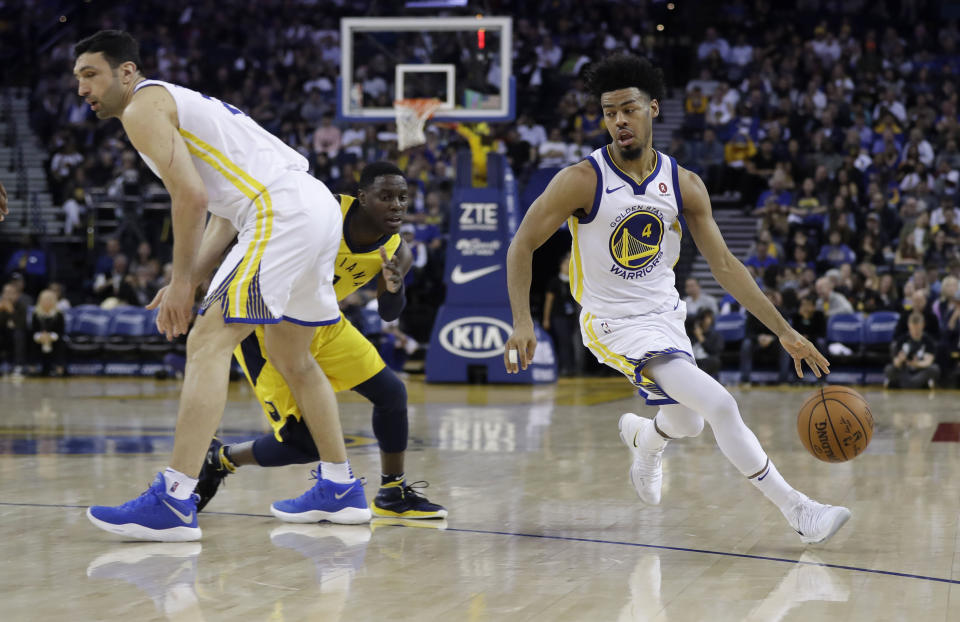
<point>605,327</point>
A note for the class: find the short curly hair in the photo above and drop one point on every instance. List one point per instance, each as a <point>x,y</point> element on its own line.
<point>622,71</point>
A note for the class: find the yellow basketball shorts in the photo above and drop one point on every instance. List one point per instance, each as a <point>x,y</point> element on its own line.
<point>346,357</point>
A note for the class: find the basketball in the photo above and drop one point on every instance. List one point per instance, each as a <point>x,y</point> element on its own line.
<point>835,424</point>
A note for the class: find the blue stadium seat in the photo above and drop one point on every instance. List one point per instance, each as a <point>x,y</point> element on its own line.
<point>153,345</point>
<point>127,322</point>
<point>846,328</point>
<point>88,327</point>
<point>878,333</point>
<point>90,322</point>
<point>880,327</point>
<point>71,315</point>
<point>731,326</point>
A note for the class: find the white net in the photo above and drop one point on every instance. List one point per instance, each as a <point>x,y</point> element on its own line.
<point>412,115</point>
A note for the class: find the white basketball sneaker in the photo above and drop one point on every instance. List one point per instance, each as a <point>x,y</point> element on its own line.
<point>816,522</point>
<point>646,471</point>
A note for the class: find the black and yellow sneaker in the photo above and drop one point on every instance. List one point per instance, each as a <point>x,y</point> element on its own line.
<point>398,499</point>
<point>216,466</point>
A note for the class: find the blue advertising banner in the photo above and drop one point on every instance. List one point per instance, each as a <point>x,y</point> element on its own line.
<point>474,322</point>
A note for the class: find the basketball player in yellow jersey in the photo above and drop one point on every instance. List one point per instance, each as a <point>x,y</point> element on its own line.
<point>623,204</point>
<point>370,246</point>
<point>213,158</point>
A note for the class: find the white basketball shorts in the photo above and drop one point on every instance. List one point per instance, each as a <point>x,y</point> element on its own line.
<point>281,268</point>
<point>627,344</point>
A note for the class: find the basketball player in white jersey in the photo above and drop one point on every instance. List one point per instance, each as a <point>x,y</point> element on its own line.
<point>213,158</point>
<point>622,205</point>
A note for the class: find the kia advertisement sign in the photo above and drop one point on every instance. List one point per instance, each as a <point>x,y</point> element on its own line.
<point>475,337</point>
<point>462,344</point>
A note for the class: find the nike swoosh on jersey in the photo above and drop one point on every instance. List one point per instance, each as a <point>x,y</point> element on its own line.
<point>609,191</point>
<point>343,494</point>
<point>186,518</point>
<point>460,277</point>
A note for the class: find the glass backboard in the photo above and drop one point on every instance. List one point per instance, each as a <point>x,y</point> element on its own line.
<point>463,61</point>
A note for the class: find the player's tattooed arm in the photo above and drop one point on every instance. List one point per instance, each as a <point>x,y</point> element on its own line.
<point>571,191</point>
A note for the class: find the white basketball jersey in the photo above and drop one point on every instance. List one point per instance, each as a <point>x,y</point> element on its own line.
<point>236,158</point>
<point>623,254</point>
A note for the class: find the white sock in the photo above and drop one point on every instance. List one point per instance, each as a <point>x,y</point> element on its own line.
<point>179,486</point>
<point>339,472</point>
<point>650,439</point>
<point>774,487</point>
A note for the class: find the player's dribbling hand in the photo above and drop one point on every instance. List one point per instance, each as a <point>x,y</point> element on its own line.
<point>391,272</point>
<point>176,305</point>
<point>800,348</point>
<point>519,349</point>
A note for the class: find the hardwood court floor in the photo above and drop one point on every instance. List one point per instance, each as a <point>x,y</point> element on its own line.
<point>544,524</point>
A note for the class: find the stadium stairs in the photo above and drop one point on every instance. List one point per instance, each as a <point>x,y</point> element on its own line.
<point>23,171</point>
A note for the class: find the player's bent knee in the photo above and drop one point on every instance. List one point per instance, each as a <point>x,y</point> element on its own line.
<point>688,425</point>
<point>677,421</point>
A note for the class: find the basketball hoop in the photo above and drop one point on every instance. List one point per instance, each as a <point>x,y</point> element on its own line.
<point>412,115</point>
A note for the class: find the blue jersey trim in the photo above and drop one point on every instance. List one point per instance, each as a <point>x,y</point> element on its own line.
<point>637,188</point>
<point>597,194</point>
<point>676,185</point>
<point>292,320</point>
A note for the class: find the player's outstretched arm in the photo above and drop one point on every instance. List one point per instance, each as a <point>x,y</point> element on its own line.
<point>572,189</point>
<point>734,277</point>
<point>150,121</point>
<point>391,298</point>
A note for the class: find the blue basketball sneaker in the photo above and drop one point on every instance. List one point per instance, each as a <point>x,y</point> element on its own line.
<point>154,515</point>
<point>338,503</point>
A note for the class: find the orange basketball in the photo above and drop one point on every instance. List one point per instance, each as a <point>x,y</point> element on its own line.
<point>835,424</point>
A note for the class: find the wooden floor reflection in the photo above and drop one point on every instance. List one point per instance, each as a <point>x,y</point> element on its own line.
<point>543,524</point>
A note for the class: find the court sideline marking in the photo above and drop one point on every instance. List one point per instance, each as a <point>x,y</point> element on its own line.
<point>661,547</point>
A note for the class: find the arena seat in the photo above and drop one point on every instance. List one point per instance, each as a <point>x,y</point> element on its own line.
<point>732,327</point>
<point>878,333</point>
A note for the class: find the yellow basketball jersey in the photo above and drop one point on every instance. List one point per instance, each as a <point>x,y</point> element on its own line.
<point>356,265</point>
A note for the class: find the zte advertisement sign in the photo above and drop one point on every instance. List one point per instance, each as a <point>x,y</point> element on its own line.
<point>476,257</point>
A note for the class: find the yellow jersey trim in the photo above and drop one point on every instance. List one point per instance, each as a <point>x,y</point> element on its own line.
<point>238,294</point>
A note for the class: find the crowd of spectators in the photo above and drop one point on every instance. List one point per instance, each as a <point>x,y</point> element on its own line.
<point>835,124</point>
<point>841,140</point>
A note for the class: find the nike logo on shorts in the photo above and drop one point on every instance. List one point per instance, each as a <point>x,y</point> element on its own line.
<point>459,277</point>
<point>341,495</point>
<point>186,518</point>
